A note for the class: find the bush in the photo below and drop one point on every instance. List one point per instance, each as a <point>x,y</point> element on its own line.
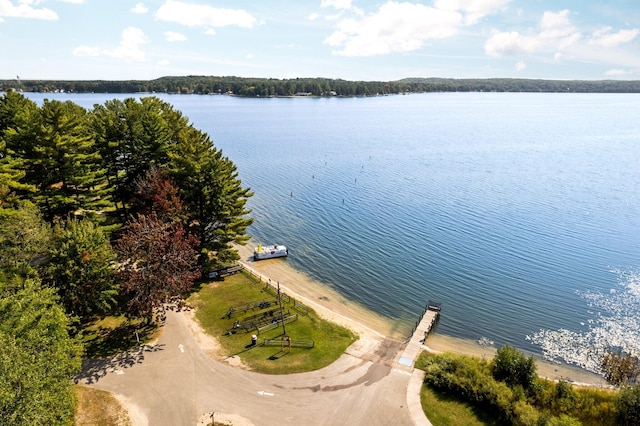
<point>548,403</point>
<point>471,378</point>
<point>628,405</point>
<point>513,368</point>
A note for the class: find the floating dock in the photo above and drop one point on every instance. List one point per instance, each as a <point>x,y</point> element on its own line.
<point>419,335</point>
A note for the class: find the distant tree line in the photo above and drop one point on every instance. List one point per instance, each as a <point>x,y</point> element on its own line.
<point>107,211</point>
<point>268,87</point>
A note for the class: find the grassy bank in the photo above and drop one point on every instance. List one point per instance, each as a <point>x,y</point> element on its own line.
<point>99,408</point>
<point>447,410</point>
<point>213,300</point>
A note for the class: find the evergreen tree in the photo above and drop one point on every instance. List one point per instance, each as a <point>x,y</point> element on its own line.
<point>81,268</point>
<point>13,106</point>
<point>61,161</point>
<point>213,194</point>
<point>131,136</point>
<point>24,239</point>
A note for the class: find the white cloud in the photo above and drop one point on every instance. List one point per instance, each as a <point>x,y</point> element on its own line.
<point>73,1</point>
<point>510,44</point>
<point>555,24</point>
<point>473,11</point>
<point>25,10</point>
<point>605,38</point>
<point>129,48</point>
<point>395,27</point>
<point>555,33</point>
<point>139,8</point>
<point>313,16</point>
<point>210,32</point>
<point>337,4</point>
<point>341,5</point>
<point>196,15</point>
<point>617,72</point>
<point>249,56</point>
<point>558,38</point>
<point>130,41</point>
<point>174,36</point>
<point>521,66</point>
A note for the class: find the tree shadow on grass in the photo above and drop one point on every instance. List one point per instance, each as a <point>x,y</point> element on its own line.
<point>102,342</point>
<point>112,348</point>
<point>96,368</point>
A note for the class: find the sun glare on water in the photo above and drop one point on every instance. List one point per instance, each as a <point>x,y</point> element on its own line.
<point>615,325</point>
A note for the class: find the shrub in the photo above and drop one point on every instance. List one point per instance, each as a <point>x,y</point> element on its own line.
<point>628,405</point>
<point>513,368</point>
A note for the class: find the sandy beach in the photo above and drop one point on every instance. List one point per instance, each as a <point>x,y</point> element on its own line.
<point>334,307</point>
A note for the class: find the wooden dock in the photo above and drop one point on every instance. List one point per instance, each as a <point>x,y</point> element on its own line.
<point>420,332</point>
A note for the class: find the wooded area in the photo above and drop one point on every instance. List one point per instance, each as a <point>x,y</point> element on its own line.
<point>111,211</point>
<point>269,87</point>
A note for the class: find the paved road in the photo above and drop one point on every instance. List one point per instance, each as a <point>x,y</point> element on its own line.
<point>174,381</point>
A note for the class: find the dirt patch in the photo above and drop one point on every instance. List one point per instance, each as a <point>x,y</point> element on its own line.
<point>136,415</point>
<point>97,406</point>
<point>210,344</point>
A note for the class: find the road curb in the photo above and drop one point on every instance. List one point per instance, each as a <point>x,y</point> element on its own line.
<point>413,398</point>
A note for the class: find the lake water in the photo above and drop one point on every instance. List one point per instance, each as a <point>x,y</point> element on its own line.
<point>511,209</point>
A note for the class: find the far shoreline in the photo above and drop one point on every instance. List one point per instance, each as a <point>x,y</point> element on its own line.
<point>334,307</point>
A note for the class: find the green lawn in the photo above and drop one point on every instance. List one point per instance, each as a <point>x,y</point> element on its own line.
<point>212,301</point>
<point>446,410</point>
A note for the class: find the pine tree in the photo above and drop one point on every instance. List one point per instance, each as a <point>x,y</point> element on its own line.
<point>131,136</point>
<point>213,194</point>
<point>81,268</point>
<point>13,106</point>
<point>61,161</point>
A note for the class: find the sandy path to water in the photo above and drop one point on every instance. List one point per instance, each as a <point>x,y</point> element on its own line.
<point>332,306</point>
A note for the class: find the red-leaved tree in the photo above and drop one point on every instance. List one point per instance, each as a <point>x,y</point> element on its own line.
<point>158,260</point>
<point>157,192</point>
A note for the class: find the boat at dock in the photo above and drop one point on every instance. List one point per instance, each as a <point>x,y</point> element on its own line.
<point>269,252</point>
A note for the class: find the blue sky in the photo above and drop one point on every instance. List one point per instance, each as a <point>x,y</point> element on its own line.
<point>348,39</point>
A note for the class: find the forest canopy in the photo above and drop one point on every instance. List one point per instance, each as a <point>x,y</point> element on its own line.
<point>269,87</point>
<point>110,211</point>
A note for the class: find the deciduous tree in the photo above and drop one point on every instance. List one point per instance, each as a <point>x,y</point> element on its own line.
<point>620,368</point>
<point>158,260</point>
<point>628,405</point>
<point>155,192</point>
<point>513,368</point>
<point>37,357</point>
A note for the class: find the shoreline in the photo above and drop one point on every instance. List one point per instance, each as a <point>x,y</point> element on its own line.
<point>334,307</point>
